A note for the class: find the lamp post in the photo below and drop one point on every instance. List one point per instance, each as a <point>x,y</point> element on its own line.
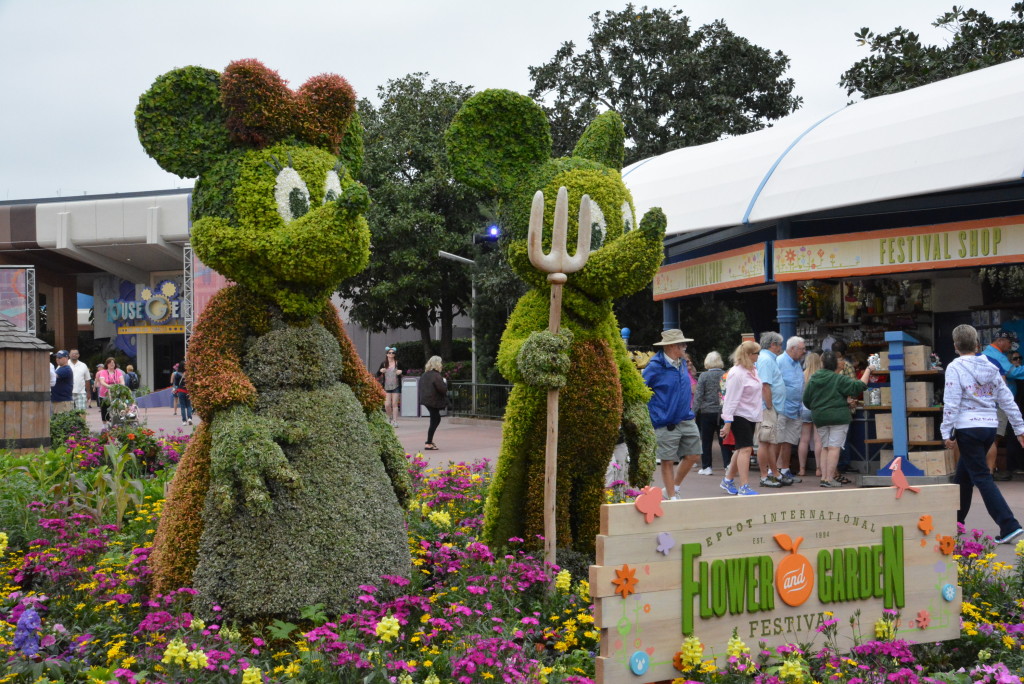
<point>472,320</point>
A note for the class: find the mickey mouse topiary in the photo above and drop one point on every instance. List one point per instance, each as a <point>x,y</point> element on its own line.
<point>500,142</point>
<point>292,490</point>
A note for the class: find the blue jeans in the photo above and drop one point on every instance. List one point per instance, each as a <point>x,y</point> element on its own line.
<point>972,471</point>
<point>185,404</point>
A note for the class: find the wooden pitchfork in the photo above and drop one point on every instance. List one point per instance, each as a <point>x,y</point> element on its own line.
<point>557,264</point>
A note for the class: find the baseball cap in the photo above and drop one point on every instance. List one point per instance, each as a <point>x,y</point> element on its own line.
<point>63,353</point>
<point>1005,335</point>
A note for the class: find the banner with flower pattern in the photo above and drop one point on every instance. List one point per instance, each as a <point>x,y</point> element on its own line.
<point>722,271</point>
<point>945,245</point>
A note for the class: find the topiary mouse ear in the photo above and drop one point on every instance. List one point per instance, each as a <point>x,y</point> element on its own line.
<point>181,122</point>
<point>495,138</point>
<point>604,141</point>
<point>351,151</point>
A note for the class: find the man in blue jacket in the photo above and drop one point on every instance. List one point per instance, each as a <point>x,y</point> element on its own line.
<point>672,416</point>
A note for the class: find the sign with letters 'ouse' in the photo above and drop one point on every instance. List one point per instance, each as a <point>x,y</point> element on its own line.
<point>770,566</point>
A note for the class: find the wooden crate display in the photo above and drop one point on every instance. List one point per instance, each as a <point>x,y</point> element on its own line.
<point>921,428</point>
<point>917,357</point>
<point>919,395</point>
<point>768,566</point>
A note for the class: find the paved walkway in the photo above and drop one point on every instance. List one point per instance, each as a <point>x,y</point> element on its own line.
<point>464,439</point>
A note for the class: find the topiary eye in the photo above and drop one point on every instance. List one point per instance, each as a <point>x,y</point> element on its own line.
<point>332,187</point>
<point>291,194</point>
<point>627,218</point>
<point>599,226</point>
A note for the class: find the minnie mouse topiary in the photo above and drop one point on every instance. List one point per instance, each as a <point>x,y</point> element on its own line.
<point>292,490</point>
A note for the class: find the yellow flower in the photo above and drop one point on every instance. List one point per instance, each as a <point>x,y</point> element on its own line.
<point>440,518</point>
<point>563,581</point>
<point>252,675</point>
<point>388,628</point>
<point>128,662</point>
<point>736,647</point>
<point>3,542</point>
<point>405,678</point>
<point>583,589</point>
<point>432,679</point>
<point>791,671</point>
<point>197,659</point>
<point>884,629</point>
<point>198,624</point>
<point>293,668</point>
<point>175,653</point>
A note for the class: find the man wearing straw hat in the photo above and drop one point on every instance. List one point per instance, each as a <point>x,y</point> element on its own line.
<point>675,425</point>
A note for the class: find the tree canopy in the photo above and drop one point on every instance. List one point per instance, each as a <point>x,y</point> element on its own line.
<point>899,60</point>
<point>673,86</point>
<point>417,210</point>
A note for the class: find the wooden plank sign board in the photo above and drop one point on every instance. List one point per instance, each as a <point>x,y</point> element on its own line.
<point>770,566</point>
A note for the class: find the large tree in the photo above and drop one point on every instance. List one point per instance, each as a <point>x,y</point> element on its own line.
<point>417,210</point>
<point>899,60</point>
<point>673,86</point>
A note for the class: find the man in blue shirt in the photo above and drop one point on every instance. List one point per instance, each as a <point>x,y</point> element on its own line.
<point>996,353</point>
<point>60,393</point>
<point>675,425</point>
<point>773,389</point>
<point>790,425</point>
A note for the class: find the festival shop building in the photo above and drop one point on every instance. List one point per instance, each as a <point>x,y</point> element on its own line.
<point>898,213</point>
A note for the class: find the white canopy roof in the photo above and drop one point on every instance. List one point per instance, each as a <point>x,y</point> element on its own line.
<point>962,132</point>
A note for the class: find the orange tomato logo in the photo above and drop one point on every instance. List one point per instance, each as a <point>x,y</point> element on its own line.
<point>794,578</point>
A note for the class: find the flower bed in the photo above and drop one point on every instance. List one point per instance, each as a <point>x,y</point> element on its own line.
<point>76,607</point>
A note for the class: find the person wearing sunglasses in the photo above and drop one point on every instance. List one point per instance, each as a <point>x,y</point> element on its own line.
<point>390,375</point>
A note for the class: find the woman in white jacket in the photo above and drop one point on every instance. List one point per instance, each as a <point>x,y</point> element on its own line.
<point>974,386</point>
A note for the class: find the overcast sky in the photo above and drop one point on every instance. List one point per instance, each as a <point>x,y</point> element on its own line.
<point>73,70</point>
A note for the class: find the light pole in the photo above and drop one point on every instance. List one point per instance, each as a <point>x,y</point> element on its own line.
<point>472,319</point>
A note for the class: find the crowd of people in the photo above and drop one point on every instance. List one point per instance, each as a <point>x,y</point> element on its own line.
<point>786,398</point>
<point>776,395</point>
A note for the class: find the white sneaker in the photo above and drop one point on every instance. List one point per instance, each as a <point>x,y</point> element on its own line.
<point>704,471</point>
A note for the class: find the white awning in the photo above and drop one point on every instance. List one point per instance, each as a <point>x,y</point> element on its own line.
<point>963,132</point>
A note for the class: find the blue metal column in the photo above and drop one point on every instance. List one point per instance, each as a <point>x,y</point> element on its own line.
<point>669,314</point>
<point>898,388</point>
<point>787,312</point>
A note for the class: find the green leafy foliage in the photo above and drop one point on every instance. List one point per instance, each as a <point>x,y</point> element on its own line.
<point>293,263</point>
<point>341,528</point>
<point>417,210</point>
<point>180,121</point>
<point>674,86</point>
<point>587,361</point>
<point>491,141</point>
<point>67,423</point>
<point>899,60</point>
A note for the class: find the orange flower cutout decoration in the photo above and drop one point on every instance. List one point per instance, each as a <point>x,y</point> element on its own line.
<point>625,581</point>
<point>924,618</point>
<point>946,544</point>
<point>649,503</point>
<point>924,523</point>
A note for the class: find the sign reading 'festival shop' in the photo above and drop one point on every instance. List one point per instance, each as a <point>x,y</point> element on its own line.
<point>773,567</point>
<point>945,245</point>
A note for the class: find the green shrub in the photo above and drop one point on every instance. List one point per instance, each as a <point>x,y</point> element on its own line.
<point>410,354</point>
<point>64,424</point>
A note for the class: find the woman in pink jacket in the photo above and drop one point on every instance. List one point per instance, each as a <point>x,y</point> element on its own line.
<point>741,411</point>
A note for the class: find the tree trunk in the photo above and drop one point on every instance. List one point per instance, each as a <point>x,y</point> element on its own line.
<point>447,316</point>
<point>423,325</point>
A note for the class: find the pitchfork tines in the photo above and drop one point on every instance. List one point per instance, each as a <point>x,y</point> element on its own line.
<point>558,263</point>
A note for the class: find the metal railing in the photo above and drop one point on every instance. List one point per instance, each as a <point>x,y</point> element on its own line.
<point>490,400</point>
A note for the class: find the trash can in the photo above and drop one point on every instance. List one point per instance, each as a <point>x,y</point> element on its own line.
<point>410,400</point>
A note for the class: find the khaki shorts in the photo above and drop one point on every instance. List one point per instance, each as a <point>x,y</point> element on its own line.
<point>832,435</point>
<point>683,440</point>
<point>768,428</point>
<point>789,429</point>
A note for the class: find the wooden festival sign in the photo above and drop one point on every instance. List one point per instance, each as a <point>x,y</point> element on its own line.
<point>770,566</point>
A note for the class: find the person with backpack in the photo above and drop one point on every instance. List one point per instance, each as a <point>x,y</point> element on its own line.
<point>181,393</point>
<point>131,378</point>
